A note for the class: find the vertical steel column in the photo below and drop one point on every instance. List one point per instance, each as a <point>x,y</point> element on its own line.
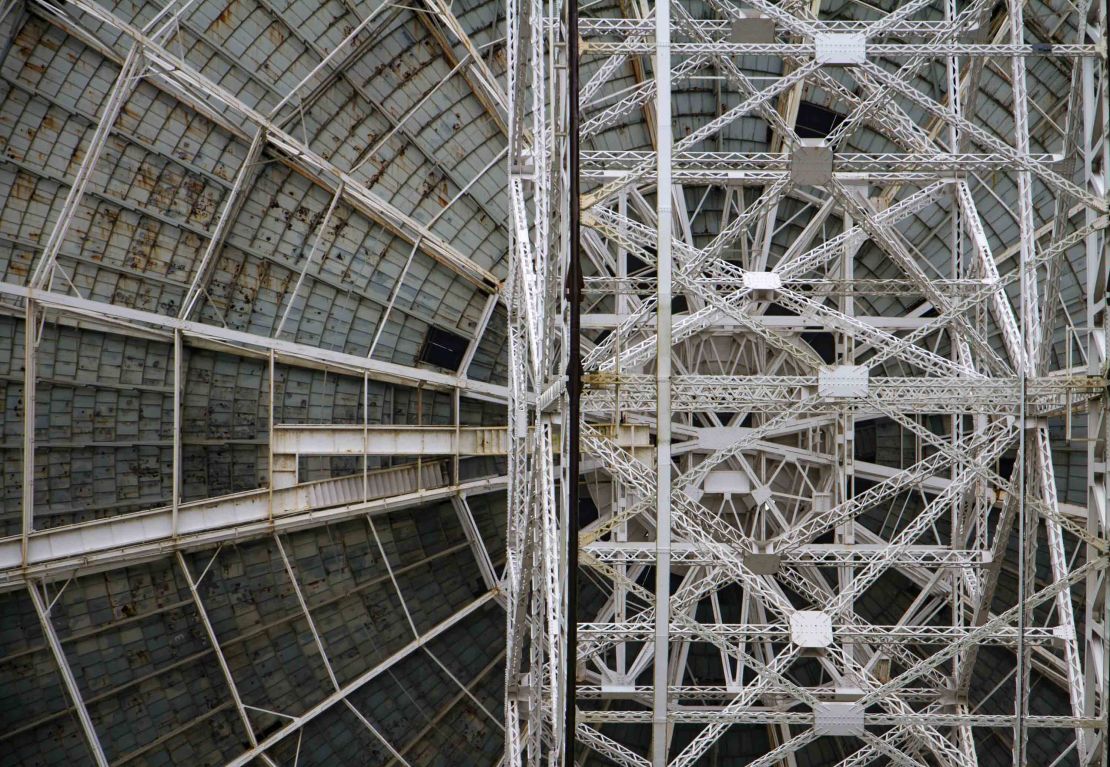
<point>965,738</point>
<point>542,281</point>
<point>1096,629</point>
<point>663,385</point>
<point>30,322</point>
<point>176,479</point>
<point>1029,316</point>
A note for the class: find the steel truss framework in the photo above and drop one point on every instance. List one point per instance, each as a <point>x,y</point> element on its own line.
<point>720,448</point>
<point>539,196</point>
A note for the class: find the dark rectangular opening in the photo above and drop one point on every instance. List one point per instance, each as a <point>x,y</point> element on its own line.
<point>444,349</point>
<point>866,442</point>
<point>822,343</point>
<point>815,121</point>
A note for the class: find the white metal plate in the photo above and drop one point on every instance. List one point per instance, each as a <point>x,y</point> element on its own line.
<point>726,482</point>
<point>840,48</point>
<point>762,281</point>
<point>752,29</point>
<point>811,628</point>
<point>763,563</point>
<point>842,381</point>
<point>811,163</point>
<point>822,502</point>
<point>761,494</point>
<point>838,719</point>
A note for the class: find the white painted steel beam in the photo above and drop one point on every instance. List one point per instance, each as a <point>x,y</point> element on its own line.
<point>130,73</point>
<point>116,541</point>
<point>818,554</point>
<point>474,538</point>
<point>244,180</point>
<point>214,642</point>
<point>285,350</point>
<point>660,705</point>
<point>485,84</point>
<point>343,439</point>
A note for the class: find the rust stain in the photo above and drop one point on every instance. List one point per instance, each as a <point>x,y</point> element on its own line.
<point>105,222</point>
<point>225,16</point>
<point>144,179</point>
<point>203,208</point>
<point>163,193</point>
<point>338,229</point>
<point>195,130</point>
<point>194,186</point>
<point>23,188</point>
<point>374,178</point>
<point>145,256</point>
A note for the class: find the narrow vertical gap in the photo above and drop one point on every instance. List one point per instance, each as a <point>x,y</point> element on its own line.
<point>574,382</point>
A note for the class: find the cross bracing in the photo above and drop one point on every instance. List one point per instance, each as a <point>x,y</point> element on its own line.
<point>814,241</point>
<point>272,273</point>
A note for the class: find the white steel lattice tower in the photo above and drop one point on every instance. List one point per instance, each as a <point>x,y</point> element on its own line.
<point>535,573</point>
<point>855,247</point>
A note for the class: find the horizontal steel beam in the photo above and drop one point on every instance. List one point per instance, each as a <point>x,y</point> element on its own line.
<point>877,635</point>
<point>643,285</point>
<point>858,162</point>
<point>925,394</point>
<point>813,555</point>
<point>733,168</point>
<point>768,716</point>
<point>902,27</point>
<point>295,353</point>
<point>874,51</point>
<point>700,692</point>
<point>343,439</point>
<point>120,540</point>
<point>723,324</point>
